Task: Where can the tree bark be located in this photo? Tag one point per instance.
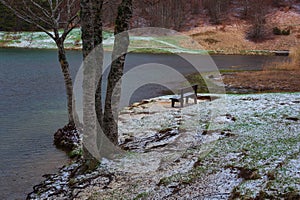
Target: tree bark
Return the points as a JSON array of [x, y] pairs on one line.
[[67, 78], [91, 27], [87, 31], [110, 123], [99, 60]]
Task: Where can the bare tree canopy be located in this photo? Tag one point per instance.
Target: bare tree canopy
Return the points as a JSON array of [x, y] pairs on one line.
[[47, 14]]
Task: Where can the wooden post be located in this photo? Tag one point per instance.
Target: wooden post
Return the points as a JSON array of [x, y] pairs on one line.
[[195, 87], [181, 98]]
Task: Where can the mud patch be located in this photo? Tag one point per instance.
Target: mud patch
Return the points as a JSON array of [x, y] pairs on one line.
[[158, 140], [245, 173], [207, 98], [226, 132], [295, 119]]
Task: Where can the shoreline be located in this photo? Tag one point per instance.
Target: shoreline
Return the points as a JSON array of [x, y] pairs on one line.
[[208, 52], [151, 45], [102, 182]]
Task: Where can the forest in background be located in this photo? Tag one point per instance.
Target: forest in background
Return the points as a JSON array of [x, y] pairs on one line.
[[174, 14]]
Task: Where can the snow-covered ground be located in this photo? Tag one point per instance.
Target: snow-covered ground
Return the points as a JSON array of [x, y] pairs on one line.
[[234, 146], [171, 44], [37, 40]]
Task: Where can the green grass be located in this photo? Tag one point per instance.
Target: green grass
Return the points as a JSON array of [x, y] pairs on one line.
[[141, 195], [146, 43], [149, 50], [175, 40]]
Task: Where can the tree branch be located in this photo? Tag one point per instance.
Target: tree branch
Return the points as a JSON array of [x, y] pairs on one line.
[[27, 18]]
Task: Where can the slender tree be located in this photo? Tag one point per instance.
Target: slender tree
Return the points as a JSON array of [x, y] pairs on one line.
[[119, 53], [50, 16]]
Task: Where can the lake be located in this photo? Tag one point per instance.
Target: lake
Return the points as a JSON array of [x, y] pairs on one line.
[[33, 107]]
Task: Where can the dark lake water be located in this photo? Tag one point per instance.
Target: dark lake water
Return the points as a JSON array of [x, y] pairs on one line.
[[33, 107]]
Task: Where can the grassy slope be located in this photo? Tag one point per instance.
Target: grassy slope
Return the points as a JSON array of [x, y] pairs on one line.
[[231, 39]]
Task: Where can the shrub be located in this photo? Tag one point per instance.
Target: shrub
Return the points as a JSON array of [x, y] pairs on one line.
[[286, 32], [256, 32], [211, 41], [276, 31]]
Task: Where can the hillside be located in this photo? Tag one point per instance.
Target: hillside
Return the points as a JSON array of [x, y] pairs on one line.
[[231, 37]]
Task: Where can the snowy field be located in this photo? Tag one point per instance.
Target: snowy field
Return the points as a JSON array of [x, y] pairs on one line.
[[233, 147]]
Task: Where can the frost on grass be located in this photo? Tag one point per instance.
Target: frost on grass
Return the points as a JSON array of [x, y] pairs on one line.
[[41, 40], [248, 150], [267, 144], [170, 44]]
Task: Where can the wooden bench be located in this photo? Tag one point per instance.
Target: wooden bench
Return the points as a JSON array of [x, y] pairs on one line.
[[187, 92]]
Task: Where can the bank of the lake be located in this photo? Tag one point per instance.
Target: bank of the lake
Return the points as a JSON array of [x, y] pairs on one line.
[[213, 149], [177, 43]]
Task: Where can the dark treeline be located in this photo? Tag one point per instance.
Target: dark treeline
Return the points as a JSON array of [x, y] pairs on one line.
[[9, 22], [174, 14]]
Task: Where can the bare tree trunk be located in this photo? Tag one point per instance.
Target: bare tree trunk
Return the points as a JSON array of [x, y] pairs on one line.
[[110, 124], [91, 25], [67, 77], [87, 30], [99, 60]]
